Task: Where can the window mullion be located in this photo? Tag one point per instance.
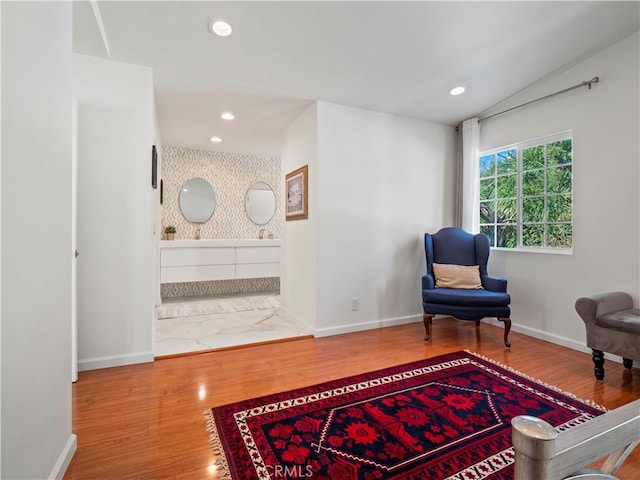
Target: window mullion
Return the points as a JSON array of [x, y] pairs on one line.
[[520, 212]]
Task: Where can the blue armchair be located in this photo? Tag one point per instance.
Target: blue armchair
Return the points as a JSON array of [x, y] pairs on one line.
[[454, 246]]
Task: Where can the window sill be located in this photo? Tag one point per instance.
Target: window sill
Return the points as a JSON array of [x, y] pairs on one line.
[[552, 251]]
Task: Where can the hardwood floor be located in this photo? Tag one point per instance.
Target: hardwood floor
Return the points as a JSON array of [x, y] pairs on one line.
[[146, 421]]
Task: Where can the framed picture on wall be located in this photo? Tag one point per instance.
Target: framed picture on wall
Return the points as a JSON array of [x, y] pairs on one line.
[[297, 189]]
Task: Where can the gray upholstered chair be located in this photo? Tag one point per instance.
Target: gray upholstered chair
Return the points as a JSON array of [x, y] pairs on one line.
[[613, 326]]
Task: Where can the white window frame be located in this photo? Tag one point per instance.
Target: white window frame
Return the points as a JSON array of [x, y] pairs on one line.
[[520, 146]]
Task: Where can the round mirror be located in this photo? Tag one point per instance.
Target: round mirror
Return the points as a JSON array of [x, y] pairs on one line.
[[260, 203], [197, 200]]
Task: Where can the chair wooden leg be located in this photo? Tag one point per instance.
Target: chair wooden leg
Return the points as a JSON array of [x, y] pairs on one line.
[[477, 323], [627, 362], [507, 329], [427, 320], [598, 362]]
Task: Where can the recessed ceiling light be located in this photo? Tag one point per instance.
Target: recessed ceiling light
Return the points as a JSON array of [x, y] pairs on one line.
[[459, 90], [216, 139], [227, 116], [221, 28]]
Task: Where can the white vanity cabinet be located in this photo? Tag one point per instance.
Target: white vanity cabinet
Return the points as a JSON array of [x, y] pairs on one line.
[[205, 260], [257, 262]]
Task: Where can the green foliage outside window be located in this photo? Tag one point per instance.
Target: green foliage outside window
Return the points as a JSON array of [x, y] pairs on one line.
[[526, 195]]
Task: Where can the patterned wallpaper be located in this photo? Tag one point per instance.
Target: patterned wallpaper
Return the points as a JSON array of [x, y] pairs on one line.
[[221, 287], [231, 175]]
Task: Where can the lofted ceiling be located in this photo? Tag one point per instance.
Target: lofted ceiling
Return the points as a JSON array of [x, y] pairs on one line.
[[393, 57]]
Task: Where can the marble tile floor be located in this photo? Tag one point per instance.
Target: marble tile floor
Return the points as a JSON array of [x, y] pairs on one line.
[[186, 325]]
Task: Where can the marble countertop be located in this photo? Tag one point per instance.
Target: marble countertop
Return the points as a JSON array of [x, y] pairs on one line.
[[242, 242]]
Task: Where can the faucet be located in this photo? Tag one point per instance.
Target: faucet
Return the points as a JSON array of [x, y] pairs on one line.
[[197, 236], [261, 234]]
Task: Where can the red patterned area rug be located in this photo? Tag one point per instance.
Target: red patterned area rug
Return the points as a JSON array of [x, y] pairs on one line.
[[446, 417]]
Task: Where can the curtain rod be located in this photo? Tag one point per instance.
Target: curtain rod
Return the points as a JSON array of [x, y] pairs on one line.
[[582, 84]]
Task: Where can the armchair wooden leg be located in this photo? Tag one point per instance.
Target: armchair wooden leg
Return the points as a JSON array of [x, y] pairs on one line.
[[427, 320], [507, 329], [598, 362]]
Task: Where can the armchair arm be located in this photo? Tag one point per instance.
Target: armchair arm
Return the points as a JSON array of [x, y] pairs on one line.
[[428, 282], [591, 307], [494, 284]]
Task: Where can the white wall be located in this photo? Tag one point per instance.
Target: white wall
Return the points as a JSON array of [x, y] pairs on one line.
[[605, 257], [382, 182], [0, 245], [116, 212], [298, 262], [36, 243], [377, 183]]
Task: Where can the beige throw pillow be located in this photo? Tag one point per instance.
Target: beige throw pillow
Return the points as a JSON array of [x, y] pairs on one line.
[[457, 276]]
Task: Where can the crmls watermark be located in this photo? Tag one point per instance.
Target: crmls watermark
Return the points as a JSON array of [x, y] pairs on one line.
[[290, 471]]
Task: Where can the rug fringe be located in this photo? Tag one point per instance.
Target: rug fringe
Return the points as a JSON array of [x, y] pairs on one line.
[[221, 463], [588, 402]]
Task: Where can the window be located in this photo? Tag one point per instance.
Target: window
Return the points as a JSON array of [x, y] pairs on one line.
[[526, 194]]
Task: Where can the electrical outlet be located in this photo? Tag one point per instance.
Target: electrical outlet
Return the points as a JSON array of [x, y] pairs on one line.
[[355, 303]]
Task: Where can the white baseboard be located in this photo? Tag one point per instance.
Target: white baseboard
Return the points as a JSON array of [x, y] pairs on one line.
[[289, 314], [357, 327], [65, 458], [516, 327], [551, 338], [114, 361], [351, 327]]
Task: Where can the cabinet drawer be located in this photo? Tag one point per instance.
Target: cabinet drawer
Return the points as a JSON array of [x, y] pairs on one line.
[[257, 254], [257, 270], [197, 256], [199, 273]]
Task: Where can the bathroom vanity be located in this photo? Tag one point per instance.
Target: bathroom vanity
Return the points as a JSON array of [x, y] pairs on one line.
[[206, 260]]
